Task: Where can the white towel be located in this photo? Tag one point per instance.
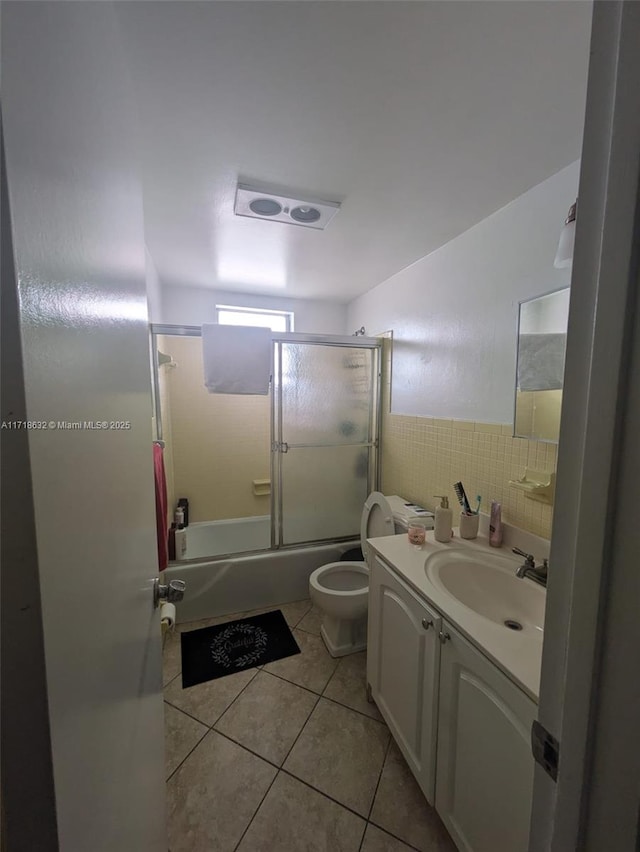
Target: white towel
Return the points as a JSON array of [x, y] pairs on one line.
[[237, 359]]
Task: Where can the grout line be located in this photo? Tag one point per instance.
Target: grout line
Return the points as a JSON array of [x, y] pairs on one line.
[[170, 776], [310, 632], [395, 836], [301, 729], [323, 793], [171, 680], [292, 682], [375, 792], [354, 710], [256, 811], [248, 683], [202, 722], [186, 713], [246, 748]]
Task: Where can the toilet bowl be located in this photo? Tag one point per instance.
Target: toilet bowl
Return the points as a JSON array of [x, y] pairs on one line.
[[340, 590]]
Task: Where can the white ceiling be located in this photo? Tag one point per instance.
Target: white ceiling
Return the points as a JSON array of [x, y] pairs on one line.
[[421, 117]]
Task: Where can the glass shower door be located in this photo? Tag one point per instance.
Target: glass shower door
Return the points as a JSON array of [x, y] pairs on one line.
[[325, 442]]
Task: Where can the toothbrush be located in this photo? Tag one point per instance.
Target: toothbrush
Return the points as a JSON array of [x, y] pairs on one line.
[[479, 499], [462, 497]]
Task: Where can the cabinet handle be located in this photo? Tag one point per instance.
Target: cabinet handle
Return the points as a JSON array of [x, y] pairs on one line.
[[426, 623], [443, 637]]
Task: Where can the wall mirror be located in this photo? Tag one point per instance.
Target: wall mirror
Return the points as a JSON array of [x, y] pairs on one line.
[[542, 340]]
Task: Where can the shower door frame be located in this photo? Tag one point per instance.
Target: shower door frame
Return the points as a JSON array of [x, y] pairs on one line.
[[156, 329], [342, 341], [373, 444]]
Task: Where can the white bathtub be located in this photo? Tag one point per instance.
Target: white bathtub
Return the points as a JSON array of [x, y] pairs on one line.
[[206, 539], [224, 586]]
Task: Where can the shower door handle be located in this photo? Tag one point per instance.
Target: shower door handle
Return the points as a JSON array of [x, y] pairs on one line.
[[280, 448]]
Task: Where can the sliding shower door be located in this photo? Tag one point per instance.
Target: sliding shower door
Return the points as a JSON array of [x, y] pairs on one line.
[[325, 419]]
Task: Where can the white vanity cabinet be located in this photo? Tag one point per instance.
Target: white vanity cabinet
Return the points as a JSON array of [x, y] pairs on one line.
[[402, 669], [485, 766], [461, 723]]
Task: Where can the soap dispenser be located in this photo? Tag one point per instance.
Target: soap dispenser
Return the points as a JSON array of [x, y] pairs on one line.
[[444, 520]]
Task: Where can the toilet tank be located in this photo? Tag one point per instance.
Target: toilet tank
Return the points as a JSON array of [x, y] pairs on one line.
[[405, 511]]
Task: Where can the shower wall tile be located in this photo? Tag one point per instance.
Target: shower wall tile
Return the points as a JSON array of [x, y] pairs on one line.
[[218, 444]]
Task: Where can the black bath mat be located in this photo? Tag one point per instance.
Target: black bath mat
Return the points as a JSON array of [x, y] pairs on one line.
[[224, 649]]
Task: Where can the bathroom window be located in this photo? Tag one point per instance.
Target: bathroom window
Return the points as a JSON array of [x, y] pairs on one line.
[[275, 320]]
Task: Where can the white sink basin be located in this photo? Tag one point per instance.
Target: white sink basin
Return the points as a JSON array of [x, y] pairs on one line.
[[487, 584]]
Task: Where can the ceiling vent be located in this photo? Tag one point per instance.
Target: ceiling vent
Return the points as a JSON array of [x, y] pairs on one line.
[[258, 204]]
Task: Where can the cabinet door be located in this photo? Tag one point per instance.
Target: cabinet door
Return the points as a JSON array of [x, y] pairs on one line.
[[402, 669], [485, 766]]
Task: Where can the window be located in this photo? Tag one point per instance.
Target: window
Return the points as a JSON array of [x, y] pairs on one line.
[[275, 320]]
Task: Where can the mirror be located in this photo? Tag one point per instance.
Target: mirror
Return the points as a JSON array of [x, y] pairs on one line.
[[542, 341]]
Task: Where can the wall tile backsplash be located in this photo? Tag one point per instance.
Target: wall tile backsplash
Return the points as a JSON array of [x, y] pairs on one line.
[[423, 456]]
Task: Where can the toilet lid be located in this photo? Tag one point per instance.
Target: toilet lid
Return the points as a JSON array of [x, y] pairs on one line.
[[377, 519]]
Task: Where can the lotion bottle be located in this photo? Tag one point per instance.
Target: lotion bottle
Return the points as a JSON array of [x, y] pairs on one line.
[[444, 520], [495, 524]]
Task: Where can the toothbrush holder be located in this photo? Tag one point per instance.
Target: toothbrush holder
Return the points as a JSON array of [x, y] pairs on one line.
[[469, 525]]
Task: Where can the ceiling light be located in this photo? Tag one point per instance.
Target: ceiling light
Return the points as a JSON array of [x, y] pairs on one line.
[[258, 204], [564, 255]]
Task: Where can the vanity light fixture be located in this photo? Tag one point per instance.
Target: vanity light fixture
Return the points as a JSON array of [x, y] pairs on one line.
[[564, 255], [258, 204]]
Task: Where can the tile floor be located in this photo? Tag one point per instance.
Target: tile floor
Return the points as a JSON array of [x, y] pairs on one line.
[[288, 757]]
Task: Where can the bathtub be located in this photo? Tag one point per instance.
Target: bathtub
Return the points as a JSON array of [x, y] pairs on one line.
[[206, 539], [234, 584]]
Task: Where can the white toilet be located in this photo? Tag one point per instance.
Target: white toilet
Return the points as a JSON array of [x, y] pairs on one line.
[[340, 590]]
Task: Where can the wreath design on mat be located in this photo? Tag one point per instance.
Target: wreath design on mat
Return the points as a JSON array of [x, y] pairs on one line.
[[245, 635]]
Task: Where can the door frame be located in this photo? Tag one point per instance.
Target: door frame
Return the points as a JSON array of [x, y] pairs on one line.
[[590, 549]]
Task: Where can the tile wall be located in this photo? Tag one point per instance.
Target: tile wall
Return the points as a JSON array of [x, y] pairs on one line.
[[423, 456]]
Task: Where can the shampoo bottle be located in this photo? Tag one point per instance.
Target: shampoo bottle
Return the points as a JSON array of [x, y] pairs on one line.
[[181, 542], [178, 516], [495, 524], [444, 519], [185, 510]]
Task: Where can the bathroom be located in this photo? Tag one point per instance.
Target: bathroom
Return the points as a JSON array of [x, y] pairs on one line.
[[448, 327], [440, 300]]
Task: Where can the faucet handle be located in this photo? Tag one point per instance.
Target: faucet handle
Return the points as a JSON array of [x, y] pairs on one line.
[[529, 558]]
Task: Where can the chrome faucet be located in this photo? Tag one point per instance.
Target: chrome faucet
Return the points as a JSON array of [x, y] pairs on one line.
[[529, 569]]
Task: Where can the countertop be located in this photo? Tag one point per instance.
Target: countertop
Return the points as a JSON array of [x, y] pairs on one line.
[[517, 654]]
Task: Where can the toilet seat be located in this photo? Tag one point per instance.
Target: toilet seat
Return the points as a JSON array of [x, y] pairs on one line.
[[347, 578], [376, 520], [340, 590]]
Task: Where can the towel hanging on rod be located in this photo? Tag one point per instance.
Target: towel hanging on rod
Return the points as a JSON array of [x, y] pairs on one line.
[[236, 358]]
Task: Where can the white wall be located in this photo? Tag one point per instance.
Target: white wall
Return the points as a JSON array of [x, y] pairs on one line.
[[195, 305], [454, 312]]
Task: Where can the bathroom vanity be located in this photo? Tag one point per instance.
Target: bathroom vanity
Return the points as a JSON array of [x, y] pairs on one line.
[[456, 685]]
